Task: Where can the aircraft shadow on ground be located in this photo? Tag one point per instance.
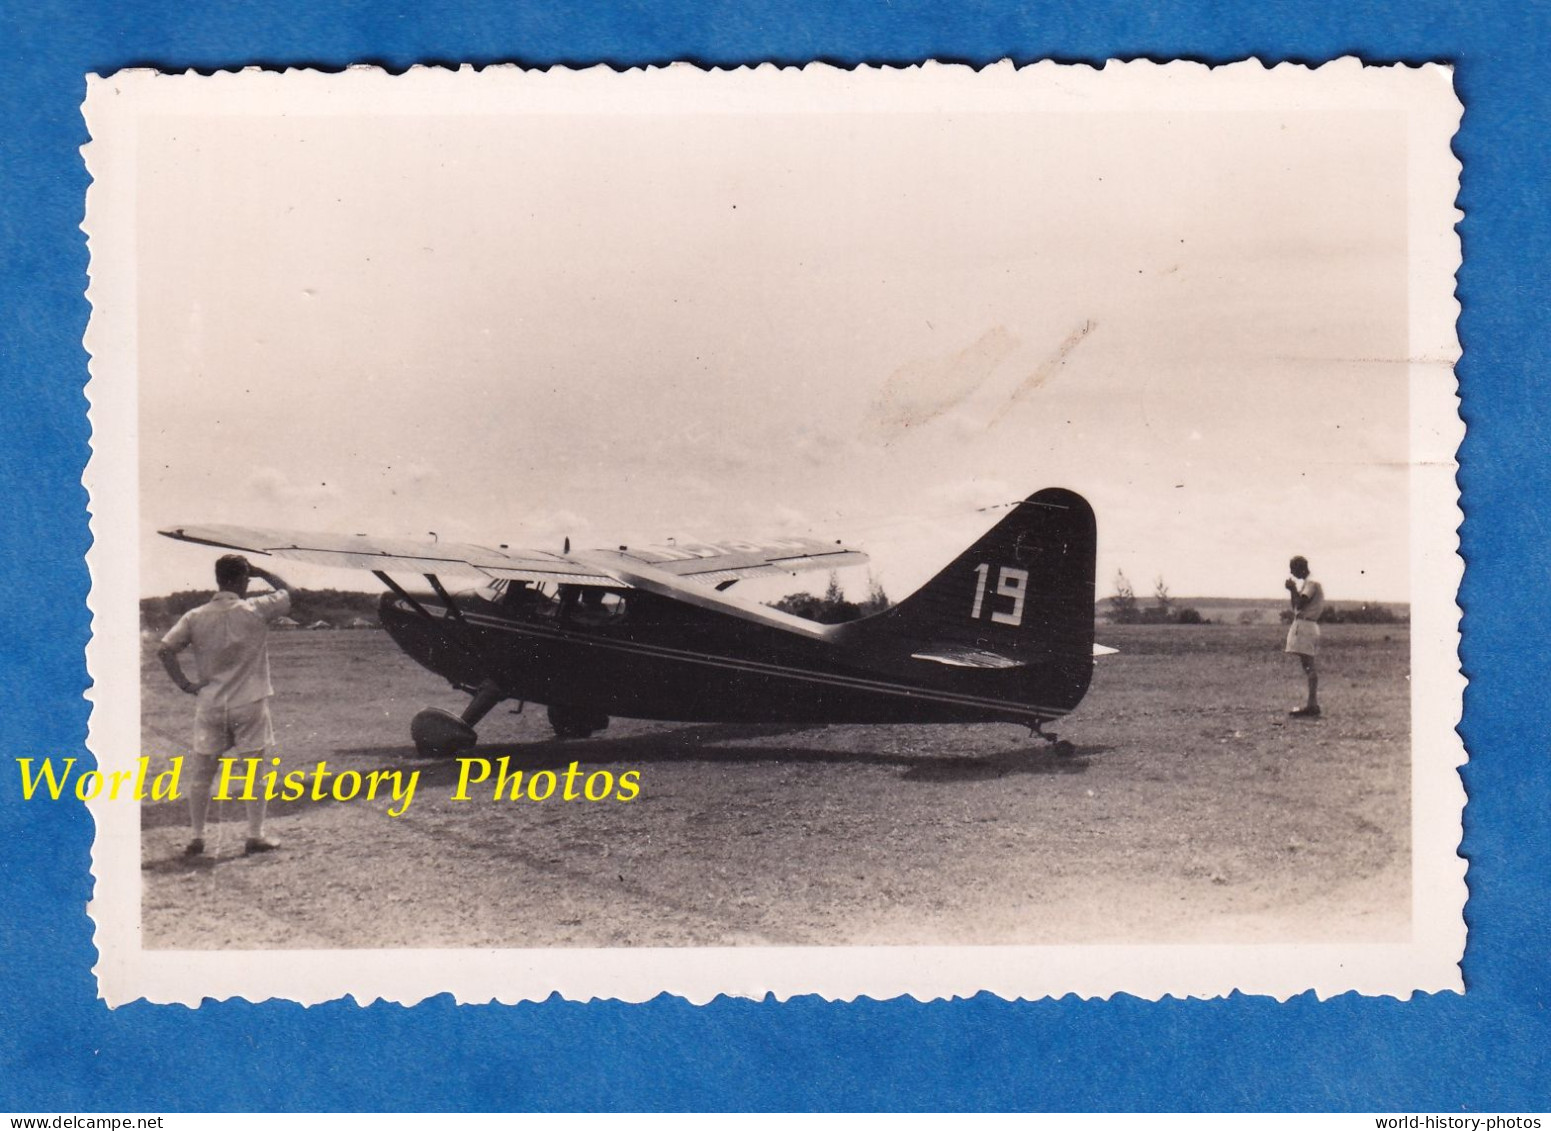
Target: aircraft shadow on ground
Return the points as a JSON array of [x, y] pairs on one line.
[[709, 743], [705, 743]]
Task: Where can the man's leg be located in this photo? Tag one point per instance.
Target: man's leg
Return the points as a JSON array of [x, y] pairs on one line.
[[1312, 672], [256, 810], [199, 800], [211, 739], [256, 736]]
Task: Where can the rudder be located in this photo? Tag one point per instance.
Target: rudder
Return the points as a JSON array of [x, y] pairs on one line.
[[1025, 589]]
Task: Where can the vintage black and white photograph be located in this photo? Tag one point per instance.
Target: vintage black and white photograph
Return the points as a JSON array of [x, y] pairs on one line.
[[774, 531]]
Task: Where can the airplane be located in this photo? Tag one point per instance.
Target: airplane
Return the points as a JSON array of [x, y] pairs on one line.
[[1003, 634]]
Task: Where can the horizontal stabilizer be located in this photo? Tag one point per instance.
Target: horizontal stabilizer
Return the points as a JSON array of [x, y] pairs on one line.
[[968, 658], [1102, 650]]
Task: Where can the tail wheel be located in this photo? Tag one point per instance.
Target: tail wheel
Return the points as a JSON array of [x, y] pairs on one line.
[[441, 734], [576, 722]]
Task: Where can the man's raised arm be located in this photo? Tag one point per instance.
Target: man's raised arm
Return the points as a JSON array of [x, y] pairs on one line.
[[275, 581], [279, 602]]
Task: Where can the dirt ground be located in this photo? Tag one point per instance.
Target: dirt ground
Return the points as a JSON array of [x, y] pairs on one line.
[[1192, 810]]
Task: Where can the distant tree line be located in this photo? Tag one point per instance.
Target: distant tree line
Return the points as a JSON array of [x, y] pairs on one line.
[[1369, 612], [1126, 608], [336, 606], [832, 607]]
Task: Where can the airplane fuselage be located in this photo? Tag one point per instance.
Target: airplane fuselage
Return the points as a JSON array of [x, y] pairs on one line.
[[650, 657]]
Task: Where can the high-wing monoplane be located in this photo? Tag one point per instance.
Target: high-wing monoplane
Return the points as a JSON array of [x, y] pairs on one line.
[[1004, 633]]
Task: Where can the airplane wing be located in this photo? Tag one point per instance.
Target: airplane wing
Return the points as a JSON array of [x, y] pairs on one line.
[[664, 567], [638, 574], [712, 563], [361, 551]]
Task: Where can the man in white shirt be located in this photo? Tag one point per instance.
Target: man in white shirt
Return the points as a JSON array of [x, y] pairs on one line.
[[229, 635], [1308, 603]]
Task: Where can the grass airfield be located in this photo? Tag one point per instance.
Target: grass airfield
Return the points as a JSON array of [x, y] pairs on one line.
[[1191, 810]]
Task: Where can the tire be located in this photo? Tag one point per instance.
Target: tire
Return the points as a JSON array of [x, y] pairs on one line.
[[576, 722], [441, 734]]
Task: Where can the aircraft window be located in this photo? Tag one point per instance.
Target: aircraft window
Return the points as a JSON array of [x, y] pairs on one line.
[[494, 591], [545, 598], [598, 607], [520, 594]]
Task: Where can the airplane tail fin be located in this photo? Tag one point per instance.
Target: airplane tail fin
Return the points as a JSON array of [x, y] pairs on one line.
[[1023, 593]]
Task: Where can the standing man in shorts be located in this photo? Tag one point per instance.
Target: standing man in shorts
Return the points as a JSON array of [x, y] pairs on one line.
[[230, 636], [1308, 602]]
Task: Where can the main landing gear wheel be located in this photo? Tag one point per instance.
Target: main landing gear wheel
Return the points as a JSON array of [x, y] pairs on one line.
[[576, 722], [441, 734]]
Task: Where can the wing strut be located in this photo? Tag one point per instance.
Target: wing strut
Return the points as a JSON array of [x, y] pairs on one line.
[[403, 594], [451, 605], [469, 647], [436, 623], [439, 733]]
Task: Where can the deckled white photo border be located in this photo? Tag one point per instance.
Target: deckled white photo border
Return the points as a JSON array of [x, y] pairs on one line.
[[115, 107]]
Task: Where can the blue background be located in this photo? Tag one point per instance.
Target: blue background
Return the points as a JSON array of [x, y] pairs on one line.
[[62, 1050]]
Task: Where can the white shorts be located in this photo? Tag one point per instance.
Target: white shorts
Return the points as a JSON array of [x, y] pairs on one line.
[[245, 729], [1303, 638]]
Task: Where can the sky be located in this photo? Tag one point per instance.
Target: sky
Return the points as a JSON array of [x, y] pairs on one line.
[[528, 327]]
